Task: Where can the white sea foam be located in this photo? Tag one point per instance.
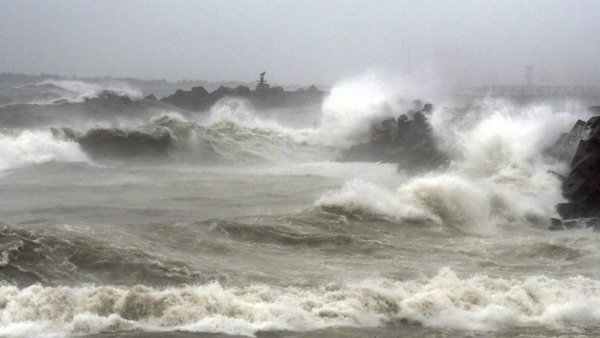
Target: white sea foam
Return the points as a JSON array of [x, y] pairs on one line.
[[498, 175], [240, 112], [352, 106], [35, 147], [347, 112], [77, 91], [445, 301]]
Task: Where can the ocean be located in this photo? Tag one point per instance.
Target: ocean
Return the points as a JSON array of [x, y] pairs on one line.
[[127, 217]]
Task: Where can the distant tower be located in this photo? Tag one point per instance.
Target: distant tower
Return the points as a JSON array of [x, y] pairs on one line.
[[262, 83], [529, 75]]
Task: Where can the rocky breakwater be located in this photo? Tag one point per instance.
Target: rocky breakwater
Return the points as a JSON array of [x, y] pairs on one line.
[[101, 108], [407, 140], [263, 97], [581, 187]]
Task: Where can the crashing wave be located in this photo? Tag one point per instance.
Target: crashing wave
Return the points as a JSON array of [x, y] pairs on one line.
[[499, 174], [79, 91], [188, 142], [35, 147], [445, 301]]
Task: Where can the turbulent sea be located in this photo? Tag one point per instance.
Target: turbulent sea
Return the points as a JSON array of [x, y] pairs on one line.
[[131, 218]]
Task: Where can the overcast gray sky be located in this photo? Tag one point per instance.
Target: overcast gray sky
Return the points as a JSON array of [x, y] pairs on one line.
[[303, 42]]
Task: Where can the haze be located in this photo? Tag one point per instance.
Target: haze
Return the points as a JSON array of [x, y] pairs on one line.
[[305, 42]]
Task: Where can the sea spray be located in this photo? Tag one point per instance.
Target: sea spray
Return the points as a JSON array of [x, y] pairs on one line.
[[498, 176], [36, 147], [478, 302]]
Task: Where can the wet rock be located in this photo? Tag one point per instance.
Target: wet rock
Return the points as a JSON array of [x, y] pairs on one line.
[[556, 224], [565, 146], [241, 90], [199, 91], [263, 97], [571, 210], [408, 142], [579, 223], [581, 187]]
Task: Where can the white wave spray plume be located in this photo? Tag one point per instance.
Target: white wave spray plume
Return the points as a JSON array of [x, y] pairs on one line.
[[353, 105], [36, 147], [498, 176]]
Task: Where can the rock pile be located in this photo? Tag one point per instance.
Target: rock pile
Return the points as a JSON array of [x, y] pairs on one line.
[[263, 97], [581, 187], [406, 140]]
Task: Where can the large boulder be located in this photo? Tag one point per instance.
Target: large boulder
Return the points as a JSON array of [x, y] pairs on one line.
[[407, 142], [581, 187]]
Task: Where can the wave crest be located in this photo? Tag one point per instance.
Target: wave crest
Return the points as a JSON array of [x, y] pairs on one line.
[[35, 147], [444, 301], [499, 175], [170, 138]]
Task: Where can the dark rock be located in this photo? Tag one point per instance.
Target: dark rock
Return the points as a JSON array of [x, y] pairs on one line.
[[276, 90], [241, 90], [199, 91], [221, 92], [150, 97], [313, 89], [571, 210], [592, 223], [409, 143], [263, 97], [581, 187]]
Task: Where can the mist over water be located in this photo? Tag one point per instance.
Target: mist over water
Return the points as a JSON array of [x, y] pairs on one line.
[[130, 215]]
